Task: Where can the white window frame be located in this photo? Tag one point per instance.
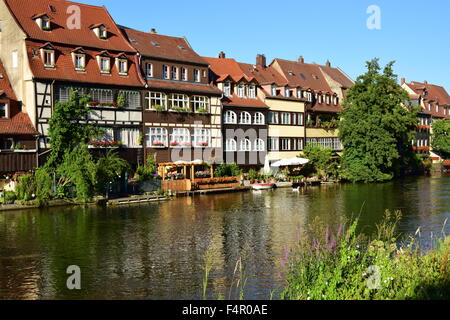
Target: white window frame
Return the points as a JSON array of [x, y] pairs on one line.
[[245, 145], [6, 110], [327, 99], [241, 91], [230, 117], [184, 74], [309, 96], [259, 118], [165, 72], [286, 116], [230, 145], [102, 32], [180, 135], [157, 134], [149, 70], [260, 145], [274, 143], [227, 89], [287, 146], [103, 95], [123, 66], [336, 100], [132, 98], [105, 68], [154, 97], [175, 73], [177, 100], [252, 91], [202, 135], [51, 55], [275, 116], [197, 75], [245, 118], [80, 61], [200, 102]]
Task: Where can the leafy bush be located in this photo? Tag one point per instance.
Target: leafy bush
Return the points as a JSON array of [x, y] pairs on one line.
[[44, 185], [26, 189], [9, 196], [109, 167], [253, 174], [228, 170], [341, 265]]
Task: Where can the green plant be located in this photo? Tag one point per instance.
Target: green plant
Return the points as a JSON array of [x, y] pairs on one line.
[[109, 168], [26, 189], [159, 108], [377, 127], [253, 174], [440, 140], [121, 100], [9, 196], [202, 110], [228, 170]]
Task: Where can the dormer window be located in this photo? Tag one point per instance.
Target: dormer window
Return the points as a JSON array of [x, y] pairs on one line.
[[241, 91], [45, 23], [80, 62], [319, 98], [174, 73], [327, 99], [252, 91], [274, 90], [100, 31], [437, 108], [165, 72], [299, 93], [227, 89], [336, 101], [196, 75], [309, 96], [48, 55], [184, 74], [104, 62], [103, 34], [123, 67], [149, 70], [3, 110]]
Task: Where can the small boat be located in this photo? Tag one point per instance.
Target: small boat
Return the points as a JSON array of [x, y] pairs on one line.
[[264, 186], [281, 184]]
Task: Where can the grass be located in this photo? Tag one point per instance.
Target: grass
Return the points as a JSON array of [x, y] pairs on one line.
[[339, 264]]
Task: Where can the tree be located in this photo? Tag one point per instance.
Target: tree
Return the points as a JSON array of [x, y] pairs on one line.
[[80, 171], [377, 126], [440, 141], [109, 167], [65, 132], [320, 160]]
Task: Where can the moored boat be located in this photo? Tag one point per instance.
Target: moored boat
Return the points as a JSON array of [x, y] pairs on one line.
[[264, 186]]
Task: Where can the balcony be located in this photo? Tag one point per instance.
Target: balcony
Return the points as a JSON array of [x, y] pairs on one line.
[[18, 160]]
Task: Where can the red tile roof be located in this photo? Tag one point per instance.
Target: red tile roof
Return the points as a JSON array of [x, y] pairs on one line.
[[5, 86], [25, 10], [434, 94], [65, 69], [161, 46], [263, 75], [231, 69], [184, 86], [19, 124], [235, 101], [227, 68], [338, 75], [306, 76]]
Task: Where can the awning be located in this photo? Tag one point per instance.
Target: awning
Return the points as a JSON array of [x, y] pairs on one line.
[[290, 162]]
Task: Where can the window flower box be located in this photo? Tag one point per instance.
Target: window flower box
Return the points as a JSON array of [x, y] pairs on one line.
[[446, 163], [203, 144], [105, 144], [158, 145], [202, 111], [181, 110]]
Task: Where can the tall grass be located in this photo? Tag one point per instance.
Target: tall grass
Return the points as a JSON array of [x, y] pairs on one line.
[[339, 264]]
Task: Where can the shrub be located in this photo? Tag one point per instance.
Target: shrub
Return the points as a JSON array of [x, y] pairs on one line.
[[9, 196], [341, 265], [44, 185], [228, 170], [26, 188]]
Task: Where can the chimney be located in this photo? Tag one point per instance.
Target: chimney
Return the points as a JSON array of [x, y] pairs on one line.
[[153, 31], [328, 64], [222, 55], [261, 60], [301, 60], [402, 81]]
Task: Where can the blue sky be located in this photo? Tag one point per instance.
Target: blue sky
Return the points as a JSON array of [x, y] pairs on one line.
[[414, 33]]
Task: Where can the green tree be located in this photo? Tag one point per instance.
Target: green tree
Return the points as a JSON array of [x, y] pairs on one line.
[[109, 167], [80, 171], [320, 160], [377, 127], [440, 141], [65, 131], [228, 170]]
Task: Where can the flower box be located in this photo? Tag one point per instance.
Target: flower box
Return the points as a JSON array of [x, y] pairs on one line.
[[203, 144], [158, 145], [105, 144], [446, 163]]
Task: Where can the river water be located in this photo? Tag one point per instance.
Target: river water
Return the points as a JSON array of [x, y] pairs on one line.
[[157, 251]]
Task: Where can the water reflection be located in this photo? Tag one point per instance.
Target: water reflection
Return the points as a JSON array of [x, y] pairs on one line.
[[157, 251]]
